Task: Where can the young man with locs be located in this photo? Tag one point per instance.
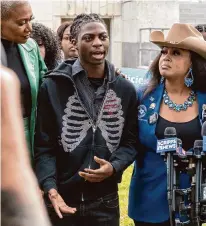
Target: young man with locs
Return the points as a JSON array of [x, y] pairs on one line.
[[86, 131]]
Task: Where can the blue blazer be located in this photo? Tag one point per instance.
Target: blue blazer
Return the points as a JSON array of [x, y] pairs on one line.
[[148, 188]]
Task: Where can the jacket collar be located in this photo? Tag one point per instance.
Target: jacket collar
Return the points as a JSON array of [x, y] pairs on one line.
[[156, 97], [71, 68], [77, 67], [109, 68]]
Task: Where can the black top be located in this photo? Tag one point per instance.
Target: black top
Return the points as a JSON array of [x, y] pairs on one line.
[[188, 132], [15, 63], [91, 90], [96, 82], [99, 89]]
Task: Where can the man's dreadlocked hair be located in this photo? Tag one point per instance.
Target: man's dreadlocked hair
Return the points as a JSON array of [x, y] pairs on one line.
[[8, 6], [81, 20], [41, 33]]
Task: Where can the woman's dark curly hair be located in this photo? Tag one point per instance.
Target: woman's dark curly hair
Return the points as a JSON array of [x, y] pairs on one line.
[[44, 35], [83, 19], [198, 69]]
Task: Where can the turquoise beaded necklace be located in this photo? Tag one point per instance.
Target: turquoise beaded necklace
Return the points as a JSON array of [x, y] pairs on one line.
[[179, 107]]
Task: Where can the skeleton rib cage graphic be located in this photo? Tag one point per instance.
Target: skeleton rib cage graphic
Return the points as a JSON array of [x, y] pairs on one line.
[[76, 122]]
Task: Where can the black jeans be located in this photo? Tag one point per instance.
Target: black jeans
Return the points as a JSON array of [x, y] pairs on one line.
[[166, 223], [101, 212]]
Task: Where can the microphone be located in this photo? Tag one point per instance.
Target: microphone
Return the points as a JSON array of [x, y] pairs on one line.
[[203, 187], [169, 144], [204, 136], [170, 132], [197, 148]]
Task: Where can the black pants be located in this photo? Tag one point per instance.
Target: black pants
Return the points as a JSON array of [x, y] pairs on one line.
[[165, 223], [101, 212]]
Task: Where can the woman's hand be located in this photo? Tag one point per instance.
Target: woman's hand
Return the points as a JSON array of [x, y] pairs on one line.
[[119, 73], [58, 203]]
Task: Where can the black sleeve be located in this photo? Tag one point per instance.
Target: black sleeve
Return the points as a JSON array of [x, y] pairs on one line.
[[127, 151], [45, 142]]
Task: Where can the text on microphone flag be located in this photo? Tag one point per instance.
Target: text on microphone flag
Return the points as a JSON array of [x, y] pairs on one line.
[[167, 145]]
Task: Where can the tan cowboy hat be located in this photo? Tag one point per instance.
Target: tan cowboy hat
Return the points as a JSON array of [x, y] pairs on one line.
[[183, 36]]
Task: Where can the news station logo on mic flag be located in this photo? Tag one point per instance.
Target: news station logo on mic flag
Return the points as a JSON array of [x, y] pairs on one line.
[[167, 145]]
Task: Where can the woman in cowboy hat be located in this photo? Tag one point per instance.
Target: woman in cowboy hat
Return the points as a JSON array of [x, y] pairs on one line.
[[175, 97]]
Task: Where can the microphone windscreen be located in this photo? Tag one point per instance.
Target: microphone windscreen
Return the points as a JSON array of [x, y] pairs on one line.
[[198, 144], [170, 132]]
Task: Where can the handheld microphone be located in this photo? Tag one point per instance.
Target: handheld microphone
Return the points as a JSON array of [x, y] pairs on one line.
[[204, 136], [197, 148], [169, 144], [170, 132], [203, 186]]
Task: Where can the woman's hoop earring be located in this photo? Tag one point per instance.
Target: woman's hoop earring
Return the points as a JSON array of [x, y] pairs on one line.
[[189, 81]]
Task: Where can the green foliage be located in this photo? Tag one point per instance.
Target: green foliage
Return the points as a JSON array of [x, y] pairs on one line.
[[123, 198]]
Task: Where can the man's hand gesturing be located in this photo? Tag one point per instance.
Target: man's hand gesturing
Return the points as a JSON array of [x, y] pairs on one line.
[[58, 203], [106, 170]]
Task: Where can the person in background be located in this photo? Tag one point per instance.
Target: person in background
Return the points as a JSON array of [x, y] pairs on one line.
[[48, 44], [86, 131], [20, 200], [175, 97], [23, 58], [69, 50], [202, 29]]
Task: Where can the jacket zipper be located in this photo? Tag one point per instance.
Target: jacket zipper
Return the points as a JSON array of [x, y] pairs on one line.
[[93, 143], [94, 127]]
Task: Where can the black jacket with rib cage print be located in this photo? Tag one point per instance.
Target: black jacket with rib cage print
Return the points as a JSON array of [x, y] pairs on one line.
[[67, 138]]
